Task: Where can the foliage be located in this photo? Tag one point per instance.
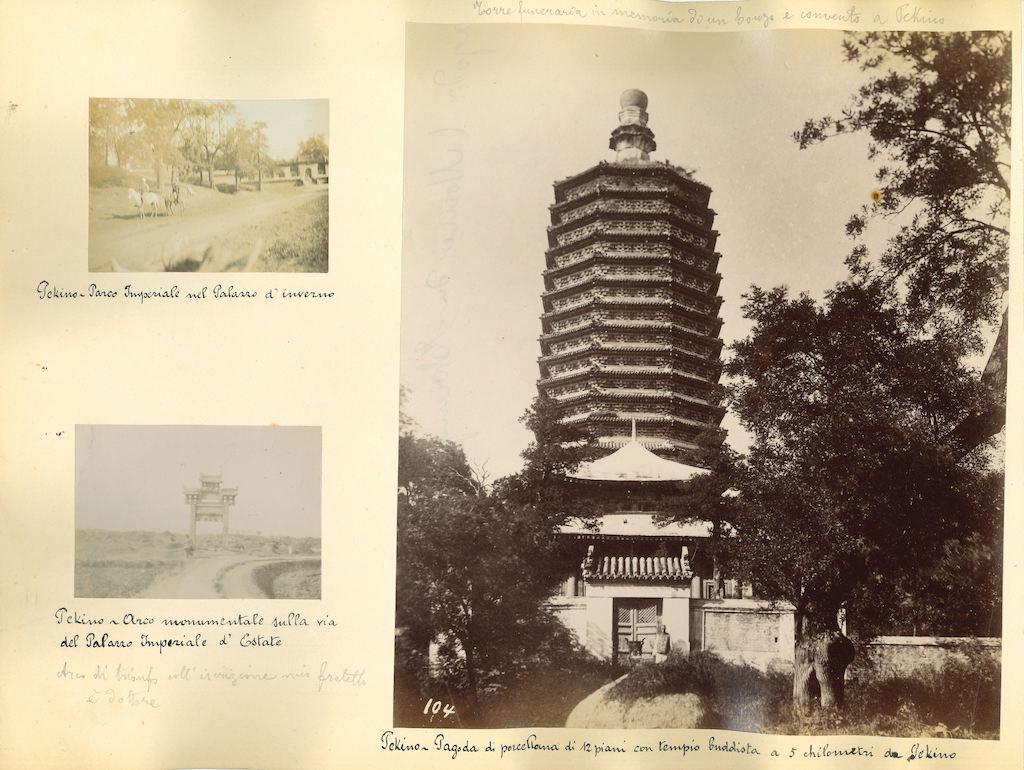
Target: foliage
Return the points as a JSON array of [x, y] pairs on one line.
[[476, 564], [848, 490], [180, 134], [937, 108], [314, 148], [740, 696], [959, 699], [539, 692], [556, 451], [473, 568]]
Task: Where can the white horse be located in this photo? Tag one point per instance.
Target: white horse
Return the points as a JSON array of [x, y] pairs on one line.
[[136, 199], [153, 201]]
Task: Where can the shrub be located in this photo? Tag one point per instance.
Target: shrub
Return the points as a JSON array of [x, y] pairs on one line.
[[742, 697], [111, 176]]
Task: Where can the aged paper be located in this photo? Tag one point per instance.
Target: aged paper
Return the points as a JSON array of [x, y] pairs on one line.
[[291, 682]]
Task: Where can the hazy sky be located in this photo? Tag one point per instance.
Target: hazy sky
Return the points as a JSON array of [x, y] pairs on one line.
[[289, 121], [134, 477], [495, 114]]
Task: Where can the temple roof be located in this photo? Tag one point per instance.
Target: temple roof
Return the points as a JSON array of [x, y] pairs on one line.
[[634, 462], [630, 524], [651, 568]]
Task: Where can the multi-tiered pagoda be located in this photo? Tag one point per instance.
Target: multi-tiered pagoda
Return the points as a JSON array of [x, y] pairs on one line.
[[631, 351], [630, 323]]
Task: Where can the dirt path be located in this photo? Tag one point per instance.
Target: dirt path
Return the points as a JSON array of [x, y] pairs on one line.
[[143, 245], [199, 579]]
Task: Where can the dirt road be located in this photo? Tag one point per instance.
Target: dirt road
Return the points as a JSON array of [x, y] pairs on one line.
[[116, 232], [200, 577]]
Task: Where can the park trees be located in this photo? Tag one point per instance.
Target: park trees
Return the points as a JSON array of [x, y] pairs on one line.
[[157, 125], [476, 561], [937, 109], [861, 486], [206, 135], [314, 148], [848, 490]]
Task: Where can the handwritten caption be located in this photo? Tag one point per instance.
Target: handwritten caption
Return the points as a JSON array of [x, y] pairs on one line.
[[734, 17], [459, 747], [107, 680], [141, 294]]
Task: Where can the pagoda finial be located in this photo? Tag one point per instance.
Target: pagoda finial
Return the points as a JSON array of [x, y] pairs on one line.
[[632, 140]]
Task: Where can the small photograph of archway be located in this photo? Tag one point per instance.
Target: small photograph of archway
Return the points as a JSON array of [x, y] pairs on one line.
[[197, 512]]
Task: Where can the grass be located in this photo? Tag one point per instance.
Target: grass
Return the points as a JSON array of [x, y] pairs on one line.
[[122, 564], [958, 700], [111, 564], [289, 579], [119, 579], [740, 697], [293, 240], [298, 242]]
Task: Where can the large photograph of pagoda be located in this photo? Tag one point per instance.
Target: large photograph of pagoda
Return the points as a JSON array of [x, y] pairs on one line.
[[197, 512], [704, 353]]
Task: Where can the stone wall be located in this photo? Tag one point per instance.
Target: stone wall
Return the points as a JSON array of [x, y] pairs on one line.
[[902, 655], [743, 631]]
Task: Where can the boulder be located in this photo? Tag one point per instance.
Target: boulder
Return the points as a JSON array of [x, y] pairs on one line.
[[679, 710]]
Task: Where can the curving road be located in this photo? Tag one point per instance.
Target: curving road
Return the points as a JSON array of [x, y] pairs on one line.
[[142, 245], [199, 579]]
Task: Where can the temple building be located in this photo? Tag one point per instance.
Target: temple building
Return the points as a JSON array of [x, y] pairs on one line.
[[630, 351]]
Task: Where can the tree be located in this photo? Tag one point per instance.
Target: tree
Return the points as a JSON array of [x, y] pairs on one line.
[[314, 148], [261, 149], [709, 497], [239, 152], [848, 490], [108, 130], [157, 125], [206, 134], [476, 564], [937, 107]]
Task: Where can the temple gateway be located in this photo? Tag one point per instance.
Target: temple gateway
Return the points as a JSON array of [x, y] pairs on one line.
[[631, 351]]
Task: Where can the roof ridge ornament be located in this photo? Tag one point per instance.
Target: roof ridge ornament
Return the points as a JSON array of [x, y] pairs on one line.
[[632, 140]]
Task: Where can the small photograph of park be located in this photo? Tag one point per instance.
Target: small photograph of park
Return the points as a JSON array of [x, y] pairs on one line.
[[185, 185], [706, 427]]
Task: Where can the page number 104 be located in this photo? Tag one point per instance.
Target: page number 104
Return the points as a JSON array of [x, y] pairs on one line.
[[435, 707]]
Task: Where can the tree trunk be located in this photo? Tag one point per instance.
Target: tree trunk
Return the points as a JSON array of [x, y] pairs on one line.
[[716, 565], [209, 173], [472, 699], [981, 425], [822, 654]]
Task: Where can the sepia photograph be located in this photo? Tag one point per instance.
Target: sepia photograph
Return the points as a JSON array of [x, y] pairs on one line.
[[185, 185], [197, 512], [703, 380]]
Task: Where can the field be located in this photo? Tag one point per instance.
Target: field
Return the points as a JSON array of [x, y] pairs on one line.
[[112, 564], [281, 229]]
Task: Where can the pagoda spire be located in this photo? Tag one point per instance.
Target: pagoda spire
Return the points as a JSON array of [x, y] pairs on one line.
[[632, 140]]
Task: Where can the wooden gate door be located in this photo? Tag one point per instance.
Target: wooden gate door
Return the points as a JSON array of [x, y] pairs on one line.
[[636, 624]]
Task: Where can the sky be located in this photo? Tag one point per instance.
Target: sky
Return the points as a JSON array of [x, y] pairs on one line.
[[496, 113], [134, 477], [289, 121]]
